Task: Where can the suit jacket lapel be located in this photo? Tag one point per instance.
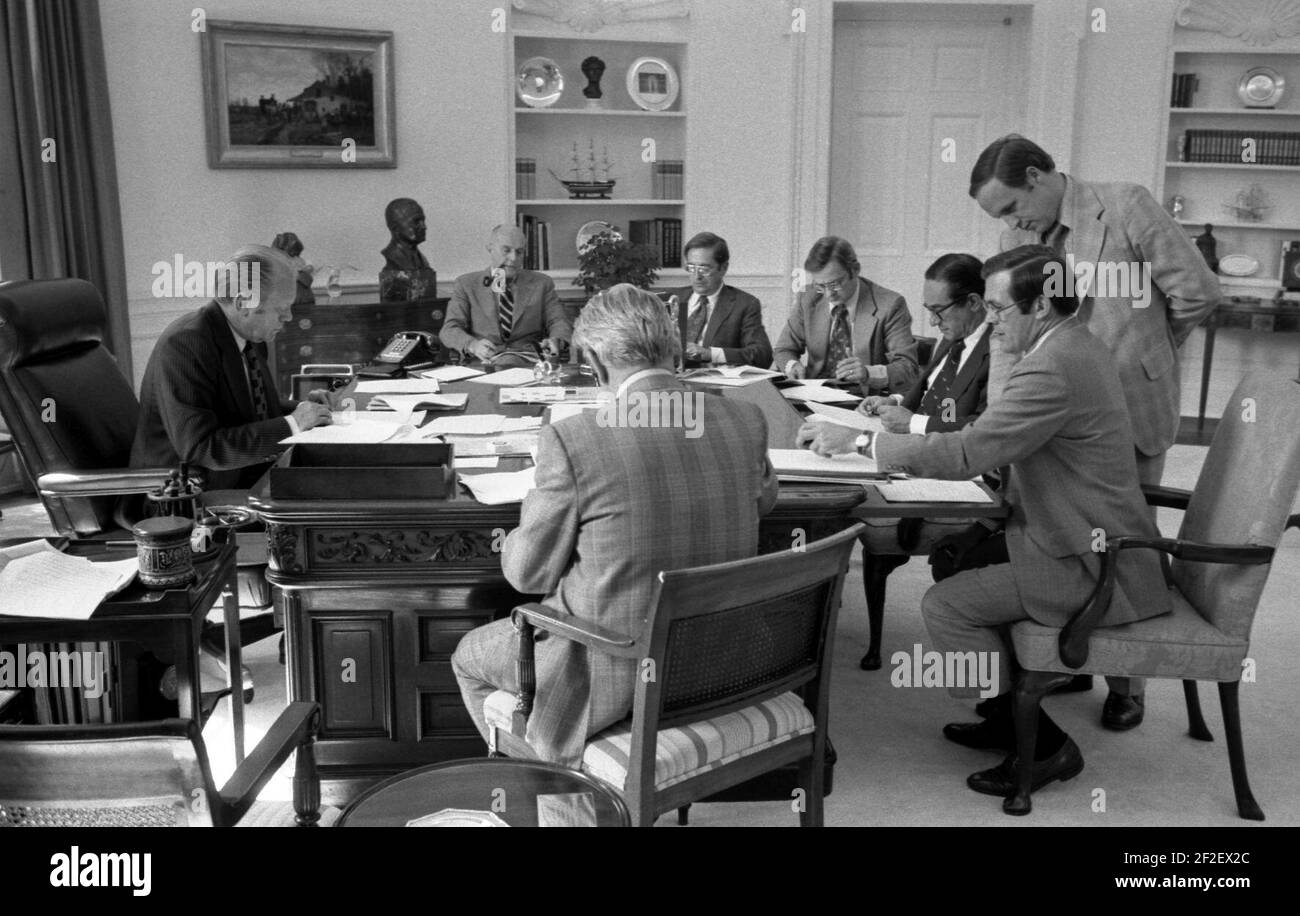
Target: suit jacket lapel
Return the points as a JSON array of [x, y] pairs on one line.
[[232, 361], [1082, 210], [818, 329], [720, 310], [970, 369], [864, 323]]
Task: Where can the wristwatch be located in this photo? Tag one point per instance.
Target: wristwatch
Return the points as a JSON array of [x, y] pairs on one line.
[[863, 444]]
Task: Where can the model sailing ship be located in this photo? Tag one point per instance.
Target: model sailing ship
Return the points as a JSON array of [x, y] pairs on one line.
[[589, 187]]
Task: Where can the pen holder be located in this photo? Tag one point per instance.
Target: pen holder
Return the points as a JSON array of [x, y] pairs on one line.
[[162, 547]]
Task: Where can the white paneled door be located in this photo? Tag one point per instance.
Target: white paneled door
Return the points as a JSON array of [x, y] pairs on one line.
[[917, 95]]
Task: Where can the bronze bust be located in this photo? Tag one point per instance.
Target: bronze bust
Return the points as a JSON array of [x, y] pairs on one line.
[[406, 274]]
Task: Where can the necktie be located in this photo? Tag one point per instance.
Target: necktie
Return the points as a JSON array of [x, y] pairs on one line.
[[841, 341], [256, 384], [699, 318], [935, 395], [506, 313], [1055, 238]]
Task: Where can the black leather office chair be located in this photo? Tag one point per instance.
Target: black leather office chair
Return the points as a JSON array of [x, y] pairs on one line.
[[71, 411]]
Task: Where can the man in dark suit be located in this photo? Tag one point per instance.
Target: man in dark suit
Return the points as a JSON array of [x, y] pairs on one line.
[[1062, 426], [504, 307], [602, 523], [208, 398], [949, 393], [723, 324], [1143, 288], [852, 329]]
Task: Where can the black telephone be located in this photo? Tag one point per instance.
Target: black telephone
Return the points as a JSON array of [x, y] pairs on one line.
[[407, 350]]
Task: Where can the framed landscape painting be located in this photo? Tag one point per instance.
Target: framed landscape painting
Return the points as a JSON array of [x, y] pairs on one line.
[[285, 96]]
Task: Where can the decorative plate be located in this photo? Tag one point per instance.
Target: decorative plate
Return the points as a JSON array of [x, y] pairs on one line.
[[590, 230], [1238, 265], [539, 82], [1261, 87], [652, 83]]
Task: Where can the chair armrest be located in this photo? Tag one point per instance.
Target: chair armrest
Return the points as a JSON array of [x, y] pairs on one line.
[[1166, 497], [296, 727], [575, 628], [110, 482], [1073, 641]]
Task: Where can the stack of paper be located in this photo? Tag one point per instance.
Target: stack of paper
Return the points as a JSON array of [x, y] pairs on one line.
[[406, 404], [497, 489], [38, 581], [450, 373], [926, 490], [507, 377], [399, 386], [850, 418], [798, 462], [819, 393], [729, 375], [354, 432]]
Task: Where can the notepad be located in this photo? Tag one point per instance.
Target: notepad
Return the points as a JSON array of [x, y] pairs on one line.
[[450, 373], [850, 418], [820, 394], [499, 489], [801, 461], [513, 377], [38, 581], [928, 490]]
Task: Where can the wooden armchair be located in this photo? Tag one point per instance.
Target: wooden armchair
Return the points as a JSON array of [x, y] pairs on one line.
[[739, 655], [1233, 522], [151, 774]]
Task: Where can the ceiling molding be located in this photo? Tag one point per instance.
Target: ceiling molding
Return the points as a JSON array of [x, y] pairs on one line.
[[1256, 22], [594, 15]]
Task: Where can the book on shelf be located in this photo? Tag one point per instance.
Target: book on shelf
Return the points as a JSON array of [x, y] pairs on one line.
[[525, 178], [1185, 86], [1227, 147], [663, 234], [666, 179], [537, 242]]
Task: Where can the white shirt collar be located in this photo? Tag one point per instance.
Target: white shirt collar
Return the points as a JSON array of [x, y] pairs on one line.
[[636, 377], [713, 297]]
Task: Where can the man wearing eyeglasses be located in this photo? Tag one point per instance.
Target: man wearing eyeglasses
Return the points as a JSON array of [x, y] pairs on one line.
[[723, 324], [852, 329]]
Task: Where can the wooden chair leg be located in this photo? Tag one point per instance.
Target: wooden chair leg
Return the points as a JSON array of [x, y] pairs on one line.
[[812, 777], [1247, 807], [1031, 686], [1196, 726], [875, 574], [306, 781], [683, 815]]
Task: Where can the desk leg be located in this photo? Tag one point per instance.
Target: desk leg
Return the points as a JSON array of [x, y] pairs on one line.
[[234, 677], [185, 651], [1206, 360]]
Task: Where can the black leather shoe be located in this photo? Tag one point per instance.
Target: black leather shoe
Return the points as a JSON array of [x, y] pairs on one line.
[[870, 662], [1065, 764], [1120, 712], [1081, 683], [991, 734]]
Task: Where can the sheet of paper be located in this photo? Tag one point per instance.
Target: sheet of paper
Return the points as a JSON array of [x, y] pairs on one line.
[[391, 417], [360, 430], [475, 424], [41, 582], [399, 386], [500, 488], [512, 377], [820, 394], [450, 373], [927, 490], [405, 404], [508, 444], [724, 381], [850, 418], [483, 461], [802, 461], [564, 411], [519, 424]]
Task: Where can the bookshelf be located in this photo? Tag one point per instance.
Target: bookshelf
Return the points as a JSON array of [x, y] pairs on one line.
[[1215, 115], [636, 143]]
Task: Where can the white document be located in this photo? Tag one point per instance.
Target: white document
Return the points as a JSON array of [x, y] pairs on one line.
[[571, 409], [928, 490], [406, 404], [820, 394], [391, 417], [850, 418], [500, 488], [484, 461], [513, 377], [732, 376], [399, 386], [479, 424], [801, 461], [38, 581], [359, 430], [450, 373], [520, 424]]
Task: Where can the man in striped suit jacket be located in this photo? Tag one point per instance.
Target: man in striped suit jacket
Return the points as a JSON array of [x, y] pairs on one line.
[[622, 493]]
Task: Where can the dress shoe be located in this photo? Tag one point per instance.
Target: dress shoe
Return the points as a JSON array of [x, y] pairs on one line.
[[870, 662], [1065, 764], [1120, 712], [1081, 683], [997, 734]]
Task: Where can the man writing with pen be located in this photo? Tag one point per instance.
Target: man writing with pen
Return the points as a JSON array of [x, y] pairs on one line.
[[505, 310]]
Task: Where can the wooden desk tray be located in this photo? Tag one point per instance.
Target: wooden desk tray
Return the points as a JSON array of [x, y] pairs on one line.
[[370, 471]]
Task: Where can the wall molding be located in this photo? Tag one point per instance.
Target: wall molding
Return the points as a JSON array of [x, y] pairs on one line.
[[594, 15], [1256, 22]]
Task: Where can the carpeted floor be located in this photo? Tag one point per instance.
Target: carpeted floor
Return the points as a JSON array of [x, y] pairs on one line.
[[895, 768]]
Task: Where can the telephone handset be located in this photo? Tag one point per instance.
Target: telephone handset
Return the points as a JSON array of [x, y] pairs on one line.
[[407, 350]]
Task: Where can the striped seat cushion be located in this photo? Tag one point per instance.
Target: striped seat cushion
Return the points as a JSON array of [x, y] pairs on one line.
[[685, 752]]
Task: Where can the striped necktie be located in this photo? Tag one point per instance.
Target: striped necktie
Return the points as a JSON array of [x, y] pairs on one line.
[[932, 403], [256, 384], [506, 313], [698, 319]]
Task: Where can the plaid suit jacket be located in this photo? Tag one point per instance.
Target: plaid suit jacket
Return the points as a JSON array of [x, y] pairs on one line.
[[1119, 223], [612, 508], [196, 406], [1062, 425]]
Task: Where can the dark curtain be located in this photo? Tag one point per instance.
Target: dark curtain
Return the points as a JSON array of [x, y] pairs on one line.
[[60, 218]]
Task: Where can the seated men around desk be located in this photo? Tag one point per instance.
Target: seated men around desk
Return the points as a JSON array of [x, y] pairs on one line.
[[208, 398], [950, 392], [505, 308], [1062, 425], [851, 329], [723, 324], [621, 494]]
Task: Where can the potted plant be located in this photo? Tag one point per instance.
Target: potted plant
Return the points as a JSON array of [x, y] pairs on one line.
[[608, 259]]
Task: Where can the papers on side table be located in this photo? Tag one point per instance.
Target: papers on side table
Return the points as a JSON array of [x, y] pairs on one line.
[[498, 489], [38, 581], [926, 490]]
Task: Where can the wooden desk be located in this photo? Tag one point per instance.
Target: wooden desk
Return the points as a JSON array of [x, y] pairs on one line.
[[171, 619], [377, 594], [1248, 313]]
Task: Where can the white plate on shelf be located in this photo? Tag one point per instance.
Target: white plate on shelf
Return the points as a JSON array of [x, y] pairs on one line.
[[589, 231], [652, 83], [1238, 265]]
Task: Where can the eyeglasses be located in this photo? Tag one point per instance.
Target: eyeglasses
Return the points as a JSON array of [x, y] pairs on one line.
[[996, 309], [938, 310], [834, 286], [701, 270]]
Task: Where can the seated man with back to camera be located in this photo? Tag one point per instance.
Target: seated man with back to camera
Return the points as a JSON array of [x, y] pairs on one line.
[[613, 506], [950, 392], [724, 325], [505, 310], [1062, 425], [852, 329]]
